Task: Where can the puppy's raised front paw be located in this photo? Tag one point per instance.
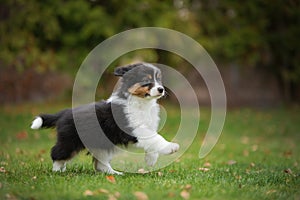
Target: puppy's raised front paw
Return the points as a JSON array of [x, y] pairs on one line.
[[170, 148]]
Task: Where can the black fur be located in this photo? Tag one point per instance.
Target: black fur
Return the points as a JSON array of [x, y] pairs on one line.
[[111, 119]]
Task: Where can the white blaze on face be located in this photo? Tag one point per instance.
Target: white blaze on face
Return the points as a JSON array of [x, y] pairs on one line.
[[157, 89]]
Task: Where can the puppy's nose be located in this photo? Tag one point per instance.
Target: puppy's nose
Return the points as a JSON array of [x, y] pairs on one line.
[[160, 89]]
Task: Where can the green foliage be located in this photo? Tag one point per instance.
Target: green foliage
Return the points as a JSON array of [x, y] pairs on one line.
[[57, 35]]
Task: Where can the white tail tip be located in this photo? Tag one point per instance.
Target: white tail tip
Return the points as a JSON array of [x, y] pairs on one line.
[[37, 123]]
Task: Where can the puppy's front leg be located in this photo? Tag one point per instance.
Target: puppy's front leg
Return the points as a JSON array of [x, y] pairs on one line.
[[151, 158], [153, 144]]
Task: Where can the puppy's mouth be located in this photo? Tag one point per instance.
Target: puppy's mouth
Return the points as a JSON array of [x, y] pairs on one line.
[[155, 96], [146, 91]]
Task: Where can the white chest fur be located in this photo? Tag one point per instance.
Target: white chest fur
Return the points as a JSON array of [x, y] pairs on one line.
[[142, 113]]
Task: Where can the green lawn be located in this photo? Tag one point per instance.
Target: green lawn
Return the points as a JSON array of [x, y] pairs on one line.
[[257, 157]]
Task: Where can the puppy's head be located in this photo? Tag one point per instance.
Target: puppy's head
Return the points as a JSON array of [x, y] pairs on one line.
[[142, 80]]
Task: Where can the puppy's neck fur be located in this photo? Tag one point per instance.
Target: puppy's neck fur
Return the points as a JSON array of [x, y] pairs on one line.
[[141, 112]]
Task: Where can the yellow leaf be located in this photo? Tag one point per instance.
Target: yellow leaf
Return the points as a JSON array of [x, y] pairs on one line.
[[140, 195], [104, 191], [88, 193], [204, 169], [188, 187], [207, 164], [142, 171], [185, 194]]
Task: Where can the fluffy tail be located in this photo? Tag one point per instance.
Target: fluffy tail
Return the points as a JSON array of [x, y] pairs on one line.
[[45, 120]]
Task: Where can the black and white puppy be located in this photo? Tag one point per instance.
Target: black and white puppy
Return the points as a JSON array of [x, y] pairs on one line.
[[130, 115]]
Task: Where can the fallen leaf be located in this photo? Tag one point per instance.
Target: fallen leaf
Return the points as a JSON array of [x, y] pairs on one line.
[[88, 193], [171, 194], [231, 162], [207, 164], [252, 164], [22, 135], [188, 187], [2, 170], [159, 173], [288, 171], [104, 191], [3, 163], [10, 197], [34, 178], [117, 194], [140, 195], [111, 179], [287, 154], [246, 153], [185, 194], [204, 169], [254, 147], [142, 171], [19, 151], [111, 197], [245, 140]]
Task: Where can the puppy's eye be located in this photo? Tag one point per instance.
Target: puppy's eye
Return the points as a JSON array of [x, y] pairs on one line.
[[146, 85]]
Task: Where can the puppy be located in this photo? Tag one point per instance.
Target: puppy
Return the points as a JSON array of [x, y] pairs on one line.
[[129, 116]]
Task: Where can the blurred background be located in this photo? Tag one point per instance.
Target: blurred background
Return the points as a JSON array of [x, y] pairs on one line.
[[255, 45]]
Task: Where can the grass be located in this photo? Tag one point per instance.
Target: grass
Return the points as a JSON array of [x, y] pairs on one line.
[[257, 157]]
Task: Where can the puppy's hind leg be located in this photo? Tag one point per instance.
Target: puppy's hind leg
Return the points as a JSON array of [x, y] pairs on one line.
[[59, 166], [60, 155], [102, 162]]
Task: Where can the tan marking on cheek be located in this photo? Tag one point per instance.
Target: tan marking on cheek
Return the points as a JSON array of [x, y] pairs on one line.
[[138, 90], [149, 76]]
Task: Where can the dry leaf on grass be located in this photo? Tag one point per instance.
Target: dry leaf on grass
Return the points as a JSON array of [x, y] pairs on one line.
[[188, 187], [22, 135], [11, 197], [171, 194], [207, 164], [142, 171], [88, 193], [103, 191], [252, 164], [185, 194], [111, 197], [231, 162], [204, 169], [111, 179], [117, 194], [140, 195], [2, 170], [288, 171]]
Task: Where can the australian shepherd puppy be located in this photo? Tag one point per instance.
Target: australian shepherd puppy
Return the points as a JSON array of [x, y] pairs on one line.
[[129, 116]]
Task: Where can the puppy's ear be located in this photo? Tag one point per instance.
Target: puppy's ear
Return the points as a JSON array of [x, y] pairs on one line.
[[120, 71]]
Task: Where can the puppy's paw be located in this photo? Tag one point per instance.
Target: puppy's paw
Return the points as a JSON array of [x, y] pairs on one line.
[[170, 148], [151, 158]]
